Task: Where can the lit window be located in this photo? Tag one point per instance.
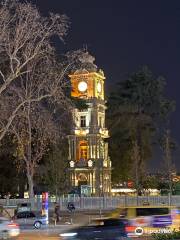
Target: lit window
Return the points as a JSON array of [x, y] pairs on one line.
[[83, 151]]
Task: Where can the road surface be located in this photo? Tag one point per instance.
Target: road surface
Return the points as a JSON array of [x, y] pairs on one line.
[[43, 236], [35, 236], [40, 236], [51, 233]]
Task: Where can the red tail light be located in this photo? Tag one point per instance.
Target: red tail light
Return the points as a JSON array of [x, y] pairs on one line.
[[13, 225], [130, 229]]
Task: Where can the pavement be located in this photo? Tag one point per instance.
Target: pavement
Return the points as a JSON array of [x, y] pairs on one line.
[[78, 217]]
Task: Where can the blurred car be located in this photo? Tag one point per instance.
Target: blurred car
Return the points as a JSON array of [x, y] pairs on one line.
[[23, 207], [147, 219], [107, 229], [8, 229], [29, 219]]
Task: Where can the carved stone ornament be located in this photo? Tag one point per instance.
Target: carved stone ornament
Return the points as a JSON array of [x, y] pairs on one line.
[[86, 58]]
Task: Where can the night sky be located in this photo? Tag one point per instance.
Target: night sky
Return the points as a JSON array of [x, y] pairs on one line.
[[125, 34]]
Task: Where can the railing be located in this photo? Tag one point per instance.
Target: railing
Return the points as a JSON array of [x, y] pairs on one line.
[[96, 203]]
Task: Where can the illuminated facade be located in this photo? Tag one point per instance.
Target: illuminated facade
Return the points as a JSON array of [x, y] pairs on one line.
[[89, 163]]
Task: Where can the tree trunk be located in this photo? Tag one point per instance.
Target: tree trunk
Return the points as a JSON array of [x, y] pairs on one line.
[[31, 185], [168, 160], [29, 154]]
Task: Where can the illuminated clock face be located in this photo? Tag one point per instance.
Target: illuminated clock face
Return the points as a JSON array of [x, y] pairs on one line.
[[82, 86], [99, 88]]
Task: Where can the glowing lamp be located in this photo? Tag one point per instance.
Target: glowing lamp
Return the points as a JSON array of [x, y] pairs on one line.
[[71, 164], [90, 163]]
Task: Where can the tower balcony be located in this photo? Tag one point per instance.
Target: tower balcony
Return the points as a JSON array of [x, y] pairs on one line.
[[82, 163], [99, 163], [81, 131], [99, 130]]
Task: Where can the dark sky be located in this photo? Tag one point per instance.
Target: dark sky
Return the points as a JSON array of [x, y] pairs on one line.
[[124, 34]]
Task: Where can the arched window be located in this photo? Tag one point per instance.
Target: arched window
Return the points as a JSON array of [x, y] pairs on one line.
[[82, 179], [83, 150]]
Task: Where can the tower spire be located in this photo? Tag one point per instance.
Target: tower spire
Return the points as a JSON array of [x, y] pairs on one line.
[[85, 47]]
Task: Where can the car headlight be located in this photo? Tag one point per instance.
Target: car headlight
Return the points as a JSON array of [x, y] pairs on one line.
[[68, 234]]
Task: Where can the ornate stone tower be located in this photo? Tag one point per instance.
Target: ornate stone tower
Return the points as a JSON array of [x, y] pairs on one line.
[[89, 163]]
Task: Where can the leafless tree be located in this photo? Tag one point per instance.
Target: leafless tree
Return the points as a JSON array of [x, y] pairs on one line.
[[36, 124], [32, 132], [25, 45], [32, 81]]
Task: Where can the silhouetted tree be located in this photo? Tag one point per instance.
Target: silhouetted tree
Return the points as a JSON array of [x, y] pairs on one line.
[[135, 111]]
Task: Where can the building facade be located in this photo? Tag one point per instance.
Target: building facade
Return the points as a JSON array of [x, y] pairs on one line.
[[89, 162]]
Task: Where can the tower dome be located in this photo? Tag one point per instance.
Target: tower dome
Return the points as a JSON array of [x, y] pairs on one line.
[[86, 63]]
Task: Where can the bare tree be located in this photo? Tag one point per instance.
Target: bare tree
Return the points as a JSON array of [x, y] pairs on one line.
[[33, 132], [25, 45], [32, 81], [35, 125]]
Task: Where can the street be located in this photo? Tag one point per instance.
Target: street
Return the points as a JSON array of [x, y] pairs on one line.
[[41, 234], [32, 236], [51, 234]]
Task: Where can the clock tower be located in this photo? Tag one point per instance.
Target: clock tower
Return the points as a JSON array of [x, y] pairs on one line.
[[89, 162]]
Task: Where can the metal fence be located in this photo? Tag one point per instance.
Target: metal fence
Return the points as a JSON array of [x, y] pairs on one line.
[[96, 203]]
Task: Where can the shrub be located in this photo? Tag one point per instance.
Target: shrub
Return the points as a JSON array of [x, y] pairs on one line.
[[166, 236]]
